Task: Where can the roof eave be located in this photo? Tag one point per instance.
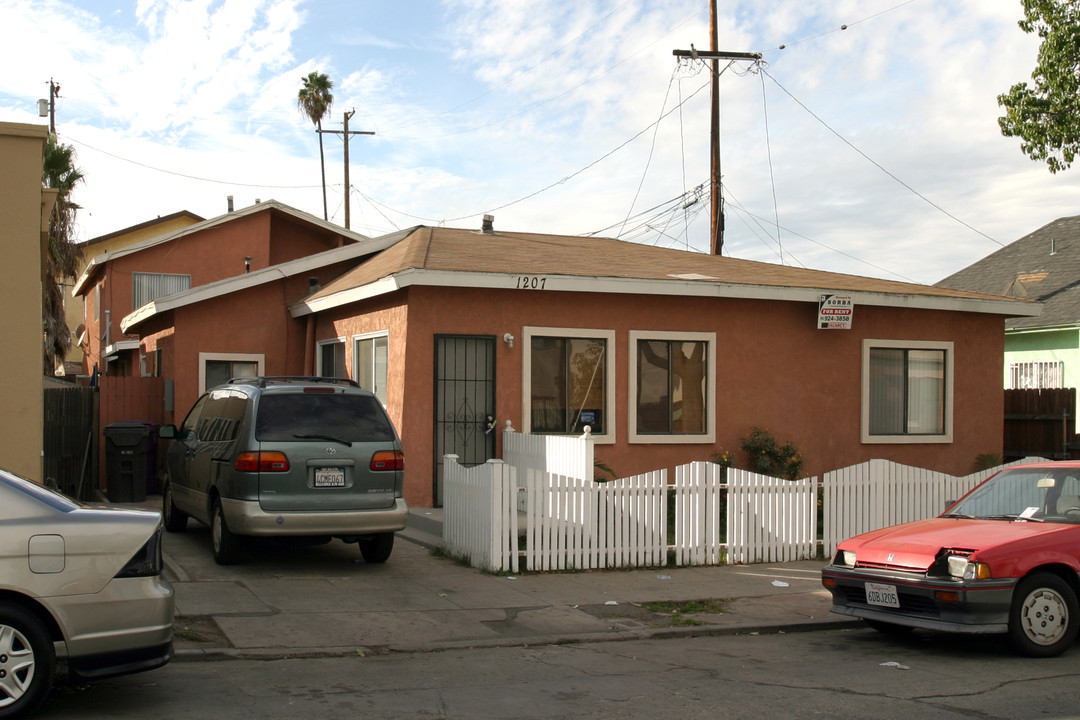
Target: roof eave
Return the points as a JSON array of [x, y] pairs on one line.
[[1008, 307]]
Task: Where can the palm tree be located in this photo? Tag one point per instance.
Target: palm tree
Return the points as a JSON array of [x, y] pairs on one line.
[[62, 261], [314, 101]]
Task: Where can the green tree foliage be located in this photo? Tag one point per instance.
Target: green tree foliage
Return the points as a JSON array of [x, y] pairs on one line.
[[314, 101], [1046, 114], [62, 260]]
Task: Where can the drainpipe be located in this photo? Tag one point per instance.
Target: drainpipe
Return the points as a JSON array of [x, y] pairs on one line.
[[309, 347]]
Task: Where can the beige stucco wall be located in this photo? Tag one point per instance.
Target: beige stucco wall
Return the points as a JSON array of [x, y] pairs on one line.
[[22, 206]]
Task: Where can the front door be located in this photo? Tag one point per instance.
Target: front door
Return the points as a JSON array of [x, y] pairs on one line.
[[464, 401]]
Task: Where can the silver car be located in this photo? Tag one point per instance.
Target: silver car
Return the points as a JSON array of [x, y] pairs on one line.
[[77, 581]]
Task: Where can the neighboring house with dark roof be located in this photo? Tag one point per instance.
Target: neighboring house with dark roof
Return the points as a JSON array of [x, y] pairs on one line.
[[666, 355], [1041, 351]]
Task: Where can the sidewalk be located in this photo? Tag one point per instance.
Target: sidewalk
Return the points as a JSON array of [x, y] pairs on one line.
[[286, 601]]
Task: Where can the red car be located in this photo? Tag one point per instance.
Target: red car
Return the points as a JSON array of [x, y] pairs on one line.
[[1005, 558]]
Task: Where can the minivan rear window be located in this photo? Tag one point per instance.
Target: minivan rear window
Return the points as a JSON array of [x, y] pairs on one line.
[[346, 417]]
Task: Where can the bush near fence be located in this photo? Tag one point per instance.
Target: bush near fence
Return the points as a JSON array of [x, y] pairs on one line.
[[507, 518]]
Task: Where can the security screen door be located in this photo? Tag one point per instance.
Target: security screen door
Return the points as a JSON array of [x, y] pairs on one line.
[[464, 401]]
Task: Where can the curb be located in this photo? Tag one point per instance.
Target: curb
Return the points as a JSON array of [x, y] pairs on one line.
[[268, 654]]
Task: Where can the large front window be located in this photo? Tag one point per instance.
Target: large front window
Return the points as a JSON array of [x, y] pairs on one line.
[[907, 390], [672, 381], [569, 385]]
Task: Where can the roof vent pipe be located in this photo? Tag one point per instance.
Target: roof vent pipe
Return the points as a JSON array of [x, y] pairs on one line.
[[1053, 246], [313, 285], [229, 199], [488, 228]]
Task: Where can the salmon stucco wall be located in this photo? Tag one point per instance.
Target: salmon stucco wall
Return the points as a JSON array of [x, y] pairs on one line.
[[775, 370]]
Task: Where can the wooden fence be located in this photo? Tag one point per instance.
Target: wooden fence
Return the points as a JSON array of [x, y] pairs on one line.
[[1040, 422], [715, 516]]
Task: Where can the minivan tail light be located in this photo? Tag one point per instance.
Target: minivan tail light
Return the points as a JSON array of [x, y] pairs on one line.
[[261, 462], [388, 460]]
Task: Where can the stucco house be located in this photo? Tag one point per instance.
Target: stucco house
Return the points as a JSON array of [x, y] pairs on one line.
[[666, 355], [1041, 351], [25, 208], [123, 278], [110, 242]]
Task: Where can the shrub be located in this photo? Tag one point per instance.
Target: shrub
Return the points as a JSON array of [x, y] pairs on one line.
[[768, 457]]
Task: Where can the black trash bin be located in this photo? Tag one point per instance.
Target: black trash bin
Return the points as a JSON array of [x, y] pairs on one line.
[[127, 448]]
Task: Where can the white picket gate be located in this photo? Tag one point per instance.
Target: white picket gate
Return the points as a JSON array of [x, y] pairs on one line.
[[480, 521]]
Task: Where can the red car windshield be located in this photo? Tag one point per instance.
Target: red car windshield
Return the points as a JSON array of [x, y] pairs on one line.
[[1037, 494]]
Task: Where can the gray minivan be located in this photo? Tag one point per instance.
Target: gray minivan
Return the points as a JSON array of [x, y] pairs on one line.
[[287, 456]]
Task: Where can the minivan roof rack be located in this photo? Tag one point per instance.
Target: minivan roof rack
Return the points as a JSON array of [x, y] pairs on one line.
[[261, 381]]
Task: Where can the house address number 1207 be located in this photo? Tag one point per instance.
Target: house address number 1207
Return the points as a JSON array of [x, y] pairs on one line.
[[531, 282]]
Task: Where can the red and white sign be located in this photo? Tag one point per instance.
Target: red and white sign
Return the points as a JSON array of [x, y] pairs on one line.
[[834, 312]]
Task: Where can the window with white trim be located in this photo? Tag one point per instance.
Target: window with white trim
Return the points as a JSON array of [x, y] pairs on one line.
[[907, 391], [1043, 374], [569, 381], [218, 368], [146, 287], [370, 361], [672, 387], [331, 358]]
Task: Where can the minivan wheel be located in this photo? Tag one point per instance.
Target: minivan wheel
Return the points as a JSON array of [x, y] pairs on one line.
[[27, 661], [376, 548], [175, 519], [1044, 618], [226, 545]]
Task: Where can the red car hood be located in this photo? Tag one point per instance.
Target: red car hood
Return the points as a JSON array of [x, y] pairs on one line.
[[916, 545]]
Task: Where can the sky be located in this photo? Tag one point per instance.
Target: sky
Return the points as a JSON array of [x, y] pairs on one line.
[[866, 141]]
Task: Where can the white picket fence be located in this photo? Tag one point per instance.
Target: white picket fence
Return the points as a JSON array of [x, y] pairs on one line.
[[500, 516]]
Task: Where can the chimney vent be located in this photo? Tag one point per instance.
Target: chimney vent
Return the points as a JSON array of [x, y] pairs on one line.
[[488, 228]]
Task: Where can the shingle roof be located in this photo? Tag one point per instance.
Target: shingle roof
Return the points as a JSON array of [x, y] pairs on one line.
[[1043, 265], [450, 250]]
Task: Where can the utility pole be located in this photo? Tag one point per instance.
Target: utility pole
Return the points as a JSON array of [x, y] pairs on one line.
[[716, 225], [346, 133], [48, 107]]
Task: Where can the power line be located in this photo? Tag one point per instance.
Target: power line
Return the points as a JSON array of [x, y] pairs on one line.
[[878, 165]]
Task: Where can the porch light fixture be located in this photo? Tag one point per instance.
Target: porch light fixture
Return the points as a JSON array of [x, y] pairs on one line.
[[508, 339]]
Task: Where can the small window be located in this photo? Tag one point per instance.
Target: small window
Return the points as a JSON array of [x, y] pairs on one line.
[[332, 359], [907, 391], [672, 387], [570, 381], [370, 356], [147, 287], [150, 363], [218, 368]]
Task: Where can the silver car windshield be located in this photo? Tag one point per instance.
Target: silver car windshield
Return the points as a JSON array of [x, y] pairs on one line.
[[1038, 495], [39, 492]]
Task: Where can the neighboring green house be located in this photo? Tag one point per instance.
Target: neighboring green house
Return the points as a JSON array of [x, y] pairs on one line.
[[1041, 351]]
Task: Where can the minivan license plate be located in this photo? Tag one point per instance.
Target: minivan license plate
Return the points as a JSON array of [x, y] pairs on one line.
[[330, 477], [883, 595]]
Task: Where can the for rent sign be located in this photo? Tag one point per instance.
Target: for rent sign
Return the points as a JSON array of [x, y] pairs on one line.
[[834, 312]]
